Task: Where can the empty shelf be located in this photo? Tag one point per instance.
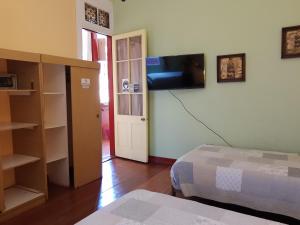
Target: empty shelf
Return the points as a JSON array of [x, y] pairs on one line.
[[16, 160], [57, 157], [53, 93], [15, 126], [54, 126], [18, 92], [18, 195]]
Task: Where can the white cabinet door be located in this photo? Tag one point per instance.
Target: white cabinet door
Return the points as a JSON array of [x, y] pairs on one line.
[[130, 92]]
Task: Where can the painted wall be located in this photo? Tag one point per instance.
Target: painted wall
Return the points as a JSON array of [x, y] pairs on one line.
[[263, 112], [47, 26]]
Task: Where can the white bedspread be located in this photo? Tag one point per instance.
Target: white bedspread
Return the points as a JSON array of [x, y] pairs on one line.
[[142, 207], [262, 180]]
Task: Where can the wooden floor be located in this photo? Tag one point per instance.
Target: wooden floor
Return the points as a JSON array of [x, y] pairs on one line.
[[105, 150], [67, 206]]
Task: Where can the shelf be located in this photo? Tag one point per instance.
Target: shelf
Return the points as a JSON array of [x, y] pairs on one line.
[[130, 93], [17, 92], [16, 160], [127, 60], [47, 127], [18, 195], [57, 157], [15, 126], [53, 93]]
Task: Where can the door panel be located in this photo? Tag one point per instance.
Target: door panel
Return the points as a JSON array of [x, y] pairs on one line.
[[136, 105], [123, 73], [135, 70], [86, 126], [130, 90], [122, 51]]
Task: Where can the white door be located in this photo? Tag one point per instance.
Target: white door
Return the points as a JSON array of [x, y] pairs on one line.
[[130, 92]]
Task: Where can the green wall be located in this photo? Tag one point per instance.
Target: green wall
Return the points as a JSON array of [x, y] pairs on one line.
[[263, 112]]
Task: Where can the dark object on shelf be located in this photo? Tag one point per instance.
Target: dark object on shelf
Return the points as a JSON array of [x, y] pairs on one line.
[[8, 81]]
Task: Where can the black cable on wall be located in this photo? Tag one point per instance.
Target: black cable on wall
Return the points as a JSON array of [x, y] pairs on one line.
[[198, 120]]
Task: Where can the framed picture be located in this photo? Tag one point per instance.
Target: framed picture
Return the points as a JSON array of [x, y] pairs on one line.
[[290, 44], [125, 85], [231, 68], [103, 18], [91, 13]]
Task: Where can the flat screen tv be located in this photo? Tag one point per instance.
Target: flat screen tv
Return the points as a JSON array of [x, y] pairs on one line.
[[175, 72]]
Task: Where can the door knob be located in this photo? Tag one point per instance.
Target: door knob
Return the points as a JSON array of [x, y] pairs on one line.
[[98, 115], [143, 119]]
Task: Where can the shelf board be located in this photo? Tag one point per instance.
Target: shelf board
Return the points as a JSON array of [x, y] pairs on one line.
[[14, 126], [53, 93], [15, 92], [47, 127], [57, 157], [18, 195], [130, 93], [16, 160], [127, 60]]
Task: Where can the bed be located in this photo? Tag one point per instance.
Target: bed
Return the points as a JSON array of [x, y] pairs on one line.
[[262, 180], [142, 207]]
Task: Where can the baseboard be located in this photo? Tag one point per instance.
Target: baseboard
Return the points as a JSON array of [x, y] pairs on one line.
[[161, 160]]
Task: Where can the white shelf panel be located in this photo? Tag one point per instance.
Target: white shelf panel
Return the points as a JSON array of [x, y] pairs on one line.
[[53, 126], [130, 93], [56, 144], [126, 60], [53, 93], [58, 156], [15, 126], [18, 195], [18, 92], [16, 160]]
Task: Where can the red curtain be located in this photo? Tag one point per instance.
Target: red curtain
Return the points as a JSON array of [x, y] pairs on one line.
[[95, 53]]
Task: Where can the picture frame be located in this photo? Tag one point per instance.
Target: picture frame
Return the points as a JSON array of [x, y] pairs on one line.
[[231, 68], [103, 19], [290, 42], [125, 85], [91, 13]]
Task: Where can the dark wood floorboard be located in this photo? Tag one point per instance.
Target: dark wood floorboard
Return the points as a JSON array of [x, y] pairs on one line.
[[68, 206]]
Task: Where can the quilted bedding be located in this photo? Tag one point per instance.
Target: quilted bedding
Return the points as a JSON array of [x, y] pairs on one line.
[[142, 207], [262, 180]]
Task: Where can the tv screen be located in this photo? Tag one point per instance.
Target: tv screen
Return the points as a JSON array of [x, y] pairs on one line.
[[176, 72]]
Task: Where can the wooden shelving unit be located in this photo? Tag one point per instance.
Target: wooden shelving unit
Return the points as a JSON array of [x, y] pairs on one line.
[[34, 142], [55, 123], [22, 161]]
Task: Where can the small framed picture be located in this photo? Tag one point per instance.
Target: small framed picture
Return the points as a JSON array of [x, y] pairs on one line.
[[125, 85], [103, 18], [290, 44], [231, 68], [91, 13]]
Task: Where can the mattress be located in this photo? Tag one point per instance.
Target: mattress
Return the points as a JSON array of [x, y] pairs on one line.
[[262, 180], [142, 207]]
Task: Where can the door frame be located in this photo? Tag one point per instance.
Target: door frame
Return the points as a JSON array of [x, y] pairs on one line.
[[111, 93], [111, 97]]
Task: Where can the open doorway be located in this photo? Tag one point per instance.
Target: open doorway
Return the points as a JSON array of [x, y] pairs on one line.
[[97, 47]]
